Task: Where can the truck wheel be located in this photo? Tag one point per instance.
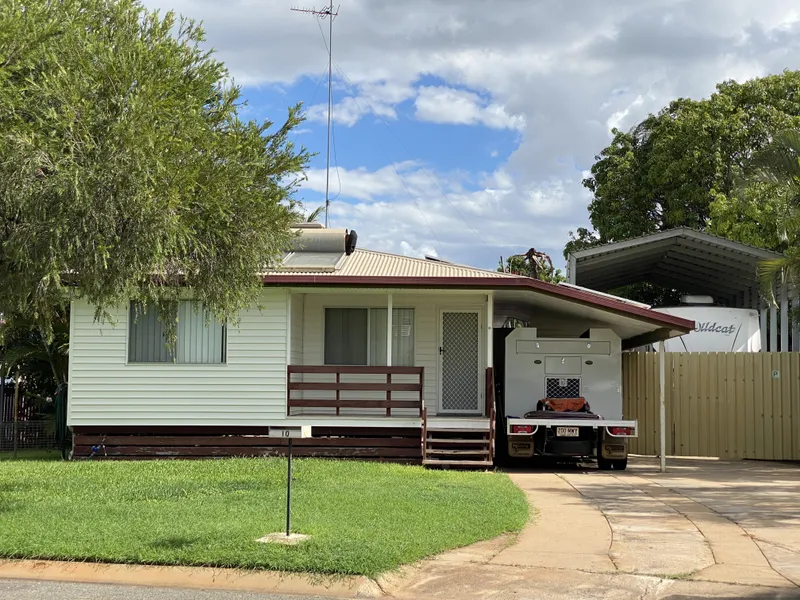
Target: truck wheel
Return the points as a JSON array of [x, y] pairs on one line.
[[604, 464], [619, 465]]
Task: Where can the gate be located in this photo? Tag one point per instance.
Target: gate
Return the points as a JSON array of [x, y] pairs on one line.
[[35, 425]]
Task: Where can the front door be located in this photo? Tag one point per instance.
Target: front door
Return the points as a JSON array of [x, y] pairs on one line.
[[460, 354]]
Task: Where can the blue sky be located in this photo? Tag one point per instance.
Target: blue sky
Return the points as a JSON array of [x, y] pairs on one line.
[[464, 128]]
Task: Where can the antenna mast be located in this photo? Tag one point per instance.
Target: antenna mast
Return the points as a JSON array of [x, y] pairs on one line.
[[321, 14]]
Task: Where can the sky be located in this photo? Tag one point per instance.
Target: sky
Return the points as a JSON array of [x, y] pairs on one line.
[[464, 128]]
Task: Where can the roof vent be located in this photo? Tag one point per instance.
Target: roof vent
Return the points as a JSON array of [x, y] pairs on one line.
[[707, 300], [350, 240]]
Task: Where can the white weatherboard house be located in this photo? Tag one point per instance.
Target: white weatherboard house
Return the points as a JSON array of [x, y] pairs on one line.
[[377, 352]]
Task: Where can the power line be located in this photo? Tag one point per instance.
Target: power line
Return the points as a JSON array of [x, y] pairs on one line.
[[419, 166], [336, 159], [321, 14]]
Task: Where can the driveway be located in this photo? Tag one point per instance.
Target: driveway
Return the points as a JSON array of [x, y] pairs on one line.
[[706, 528]]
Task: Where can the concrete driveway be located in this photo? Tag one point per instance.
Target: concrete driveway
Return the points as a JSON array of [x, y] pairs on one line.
[[706, 528]]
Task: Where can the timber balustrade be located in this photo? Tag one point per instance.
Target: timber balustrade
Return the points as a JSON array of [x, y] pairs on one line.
[[379, 391]]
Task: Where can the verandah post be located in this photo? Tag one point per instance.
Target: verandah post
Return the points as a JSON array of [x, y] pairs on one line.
[[389, 336], [662, 408]]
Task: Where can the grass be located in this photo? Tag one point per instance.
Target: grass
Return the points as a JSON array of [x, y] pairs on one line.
[[364, 518], [31, 455]]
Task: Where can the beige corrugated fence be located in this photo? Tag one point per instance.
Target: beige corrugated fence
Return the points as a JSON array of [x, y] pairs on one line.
[[728, 405]]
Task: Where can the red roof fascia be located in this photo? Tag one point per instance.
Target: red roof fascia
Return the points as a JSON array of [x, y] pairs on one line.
[[493, 283]]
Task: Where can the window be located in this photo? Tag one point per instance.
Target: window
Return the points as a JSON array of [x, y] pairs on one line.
[[357, 336], [201, 338]]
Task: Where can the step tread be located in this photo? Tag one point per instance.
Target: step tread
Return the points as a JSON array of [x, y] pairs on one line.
[[458, 463], [449, 430], [450, 452], [476, 441]]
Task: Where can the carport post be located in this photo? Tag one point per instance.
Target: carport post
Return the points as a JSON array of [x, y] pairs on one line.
[[662, 409]]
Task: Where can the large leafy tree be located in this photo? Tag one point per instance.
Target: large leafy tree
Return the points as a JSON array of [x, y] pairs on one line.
[[683, 167], [125, 167]]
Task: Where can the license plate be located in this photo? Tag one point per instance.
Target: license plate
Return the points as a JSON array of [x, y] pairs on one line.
[[567, 432]]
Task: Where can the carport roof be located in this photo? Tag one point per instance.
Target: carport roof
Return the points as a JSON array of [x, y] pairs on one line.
[[683, 259]]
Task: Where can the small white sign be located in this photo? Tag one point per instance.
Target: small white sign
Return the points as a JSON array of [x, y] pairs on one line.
[[776, 374], [291, 431]]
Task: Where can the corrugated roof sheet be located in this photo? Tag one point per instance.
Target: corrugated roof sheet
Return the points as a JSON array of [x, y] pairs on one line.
[[368, 263], [681, 258]]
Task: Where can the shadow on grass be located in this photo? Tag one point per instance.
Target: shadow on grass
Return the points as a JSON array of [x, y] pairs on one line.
[[9, 507], [172, 543], [17, 486]]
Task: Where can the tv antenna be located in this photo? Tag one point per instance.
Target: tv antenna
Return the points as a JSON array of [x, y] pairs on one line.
[[328, 13]]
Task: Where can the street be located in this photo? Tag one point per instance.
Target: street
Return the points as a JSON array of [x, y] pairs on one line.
[[55, 590]]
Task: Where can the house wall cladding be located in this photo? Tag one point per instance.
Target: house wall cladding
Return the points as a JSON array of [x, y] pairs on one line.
[[726, 405], [427, 330], [248, 389]]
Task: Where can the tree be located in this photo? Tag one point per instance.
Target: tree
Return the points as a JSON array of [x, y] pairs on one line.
[[42, 358], [533, 264], [682, 167], [125, 169], [777, 166]]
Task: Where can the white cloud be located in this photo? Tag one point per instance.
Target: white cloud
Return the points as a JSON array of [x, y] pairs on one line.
[[440, 104], [568, 71], [401, 208], [366, 100], [617, 118], [349, 111]]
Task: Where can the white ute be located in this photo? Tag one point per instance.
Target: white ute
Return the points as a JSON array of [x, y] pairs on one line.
[[548, 384]]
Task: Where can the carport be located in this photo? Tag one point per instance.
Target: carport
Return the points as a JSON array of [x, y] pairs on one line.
[[692, 262], [566, 310]]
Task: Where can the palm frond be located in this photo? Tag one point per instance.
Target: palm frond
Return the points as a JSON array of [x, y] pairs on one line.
[[779, 162], [785, 269], [315, 214]]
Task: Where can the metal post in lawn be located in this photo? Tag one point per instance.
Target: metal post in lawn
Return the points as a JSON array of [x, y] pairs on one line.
[[287, 432], [289, 492], [16, 413], [2, 404]]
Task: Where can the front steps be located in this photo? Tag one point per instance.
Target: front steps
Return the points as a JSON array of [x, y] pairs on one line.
[[455, 448]]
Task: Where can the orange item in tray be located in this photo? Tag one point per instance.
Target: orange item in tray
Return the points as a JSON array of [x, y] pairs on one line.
[[565, 404]]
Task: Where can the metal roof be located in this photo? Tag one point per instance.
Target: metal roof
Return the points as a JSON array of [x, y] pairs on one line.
[[683, 259], [368, 263]]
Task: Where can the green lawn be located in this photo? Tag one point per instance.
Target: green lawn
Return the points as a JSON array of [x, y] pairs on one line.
[[364, 518], [31, 455]]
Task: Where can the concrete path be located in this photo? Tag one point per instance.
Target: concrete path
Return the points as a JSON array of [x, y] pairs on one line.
[[567, 533], [706, 529]]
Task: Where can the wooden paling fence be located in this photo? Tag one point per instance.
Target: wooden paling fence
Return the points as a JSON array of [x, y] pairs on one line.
[[727, 405]]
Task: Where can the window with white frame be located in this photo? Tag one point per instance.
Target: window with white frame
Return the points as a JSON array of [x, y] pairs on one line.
[[201, 338], [358, 336]]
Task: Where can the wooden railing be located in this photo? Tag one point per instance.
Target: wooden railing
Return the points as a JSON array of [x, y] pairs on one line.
[[337, 386], [490, 409], [424, 434]]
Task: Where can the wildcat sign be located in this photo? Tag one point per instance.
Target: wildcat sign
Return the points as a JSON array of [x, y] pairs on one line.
[[708, 327]]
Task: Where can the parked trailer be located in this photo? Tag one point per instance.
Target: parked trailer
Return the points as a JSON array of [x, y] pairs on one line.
[[547, 386]]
